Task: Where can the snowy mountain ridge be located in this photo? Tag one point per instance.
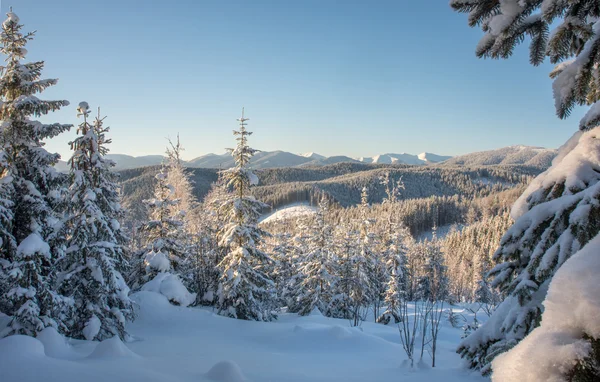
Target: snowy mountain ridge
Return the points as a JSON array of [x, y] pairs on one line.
[[518, 154]]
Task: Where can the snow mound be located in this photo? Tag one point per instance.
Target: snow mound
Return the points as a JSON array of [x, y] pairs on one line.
[[572, 307], [55, 345], [112, 348], [226, 371], [21, 346], [92, 328], [316, 312], [159, 261], [337, 332], [150, 300], [171, 287]]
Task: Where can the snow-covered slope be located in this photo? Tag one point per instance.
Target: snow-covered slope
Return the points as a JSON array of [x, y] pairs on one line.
[[331, 160], [195, 345], [432, 158], [125, 162], [527, 155], [291, 211]]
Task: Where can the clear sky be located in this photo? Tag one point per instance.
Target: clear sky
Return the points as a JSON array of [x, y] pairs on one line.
[[351, 77]]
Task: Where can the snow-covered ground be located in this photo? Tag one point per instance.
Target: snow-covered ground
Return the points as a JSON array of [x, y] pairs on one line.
[[290, 211], [194, 344], [441, 232]]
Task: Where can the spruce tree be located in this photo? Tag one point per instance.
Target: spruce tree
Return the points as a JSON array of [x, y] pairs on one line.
[[283, 268], [160, 262], [245, 291], [30, 191], [342, 304], [558, 214], [317, 268], [97, 245], [396, 271]]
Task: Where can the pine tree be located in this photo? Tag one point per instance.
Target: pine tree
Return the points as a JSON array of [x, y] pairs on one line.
[[162, 259], [558, 214], [342, 304], [208, 254], [396, 271], [190, 236], [283, 269], [7, 240], [316, 267], [30, 190], [96, 248], [245, 291], [183, 188]]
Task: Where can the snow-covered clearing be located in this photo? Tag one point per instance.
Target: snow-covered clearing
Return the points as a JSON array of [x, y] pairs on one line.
[[440, 232], [194, 344], [291, 211]]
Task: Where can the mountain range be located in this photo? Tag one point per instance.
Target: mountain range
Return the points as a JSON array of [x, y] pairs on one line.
[[527, 155]]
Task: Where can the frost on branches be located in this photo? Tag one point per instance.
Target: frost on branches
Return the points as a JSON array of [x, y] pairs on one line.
[[317, 267], [245, 291], [30, 191], [566, 346], [162, 259], [573, 45], [95, 256], [559, 213], [556, 216]]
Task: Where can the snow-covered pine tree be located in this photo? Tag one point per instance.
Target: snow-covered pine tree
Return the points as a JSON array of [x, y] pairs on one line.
[[96, 245], [558, 214], [396, 241], [31, 189], [300, 242], [363, 290], [342, 304], [7, 240], [179, 178], [283, 268], [160, 261], [245, 291], [317, 268], [374, 266], [395, 265], [208, 254]]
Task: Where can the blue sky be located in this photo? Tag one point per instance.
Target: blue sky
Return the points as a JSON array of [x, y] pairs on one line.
[[336, 77]]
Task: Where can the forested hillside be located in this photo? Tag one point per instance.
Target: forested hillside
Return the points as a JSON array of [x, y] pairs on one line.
[[342, 183]]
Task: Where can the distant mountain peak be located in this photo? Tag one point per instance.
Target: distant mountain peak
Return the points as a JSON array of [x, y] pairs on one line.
[[312, 155]]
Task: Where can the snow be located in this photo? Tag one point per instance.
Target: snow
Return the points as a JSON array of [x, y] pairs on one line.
[[253, 178], [112, 348], [441, 232], [572, 307], [55, 345], [226, 371], [11, 17], [312, 155], [171, 287], [83, 108], [576, 165], [92, 327], [158, 261], [33, 244], [291, 211], [179, 344]]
